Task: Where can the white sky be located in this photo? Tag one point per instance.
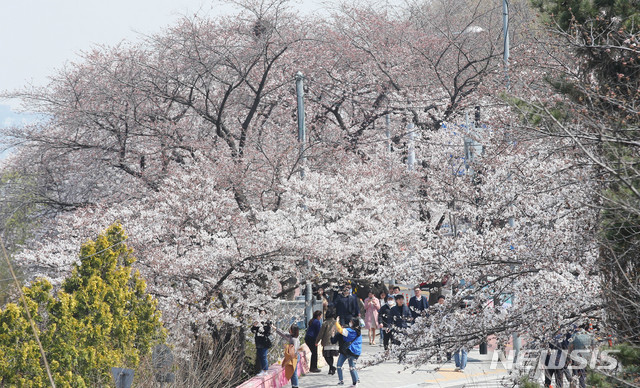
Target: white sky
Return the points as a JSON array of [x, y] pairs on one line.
[[39, 36]]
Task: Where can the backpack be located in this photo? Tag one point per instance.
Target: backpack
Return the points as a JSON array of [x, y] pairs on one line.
[[267, 342], [262, 339], [344, 348]]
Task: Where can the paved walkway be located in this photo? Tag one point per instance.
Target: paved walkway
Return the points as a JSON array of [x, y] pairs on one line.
[[390, 374]]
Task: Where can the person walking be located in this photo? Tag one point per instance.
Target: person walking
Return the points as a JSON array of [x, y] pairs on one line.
[[383, 298], [262, 331], [361, 310], [460, 355], [327, 331], [555, 362], [460, 358], [322, 297], [291, 355], [418, 304], [581, 341], [371, 307], [395, 291], [350, 349], [384, 319], [383, 301], [399, 318], [346, 306], [311, 337]]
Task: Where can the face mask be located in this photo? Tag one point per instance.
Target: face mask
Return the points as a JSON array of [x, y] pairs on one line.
[[391, 303]]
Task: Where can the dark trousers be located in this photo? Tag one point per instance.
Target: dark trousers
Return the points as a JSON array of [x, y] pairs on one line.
[[559, 373], [387, 337], [311, 343], [555, 364], [261, 355], [393, 336], [328, 360], [582, 377], [329, 356]]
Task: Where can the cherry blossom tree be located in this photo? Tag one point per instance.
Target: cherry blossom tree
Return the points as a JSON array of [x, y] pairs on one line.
[[587, 56], [189, 140], [525, 276]]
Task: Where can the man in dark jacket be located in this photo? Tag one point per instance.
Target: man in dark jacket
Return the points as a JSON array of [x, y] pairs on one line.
[[555, 362], [346, 306], [384, 319], [418, 304], [399, 318]]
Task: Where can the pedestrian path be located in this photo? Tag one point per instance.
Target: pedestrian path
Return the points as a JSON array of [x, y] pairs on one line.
[[390, 374]]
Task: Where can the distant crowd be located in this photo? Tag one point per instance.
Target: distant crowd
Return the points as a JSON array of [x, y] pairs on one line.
[[338, 329]]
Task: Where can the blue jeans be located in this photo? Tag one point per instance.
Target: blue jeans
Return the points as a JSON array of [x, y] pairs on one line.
[[460, 358], [294, 378], [261, 355], [352, 367]]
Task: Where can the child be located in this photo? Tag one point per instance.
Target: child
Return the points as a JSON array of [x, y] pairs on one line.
[[350, 349], [291, 355]]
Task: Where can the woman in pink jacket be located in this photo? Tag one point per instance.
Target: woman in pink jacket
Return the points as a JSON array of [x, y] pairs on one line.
[[371, 306]]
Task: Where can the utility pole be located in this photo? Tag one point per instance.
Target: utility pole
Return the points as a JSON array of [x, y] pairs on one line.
[[302, 136], [505, 28], [467, 147], [302, 130], [476, 125], [472, 147], [387, 117]]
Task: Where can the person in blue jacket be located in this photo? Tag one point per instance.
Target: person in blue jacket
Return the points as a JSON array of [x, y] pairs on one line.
[[311, 338], [350, 349]]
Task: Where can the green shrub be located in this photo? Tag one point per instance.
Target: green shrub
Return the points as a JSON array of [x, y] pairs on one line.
[[525, 382], [597, 380], [102, 317], [627, 355]]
